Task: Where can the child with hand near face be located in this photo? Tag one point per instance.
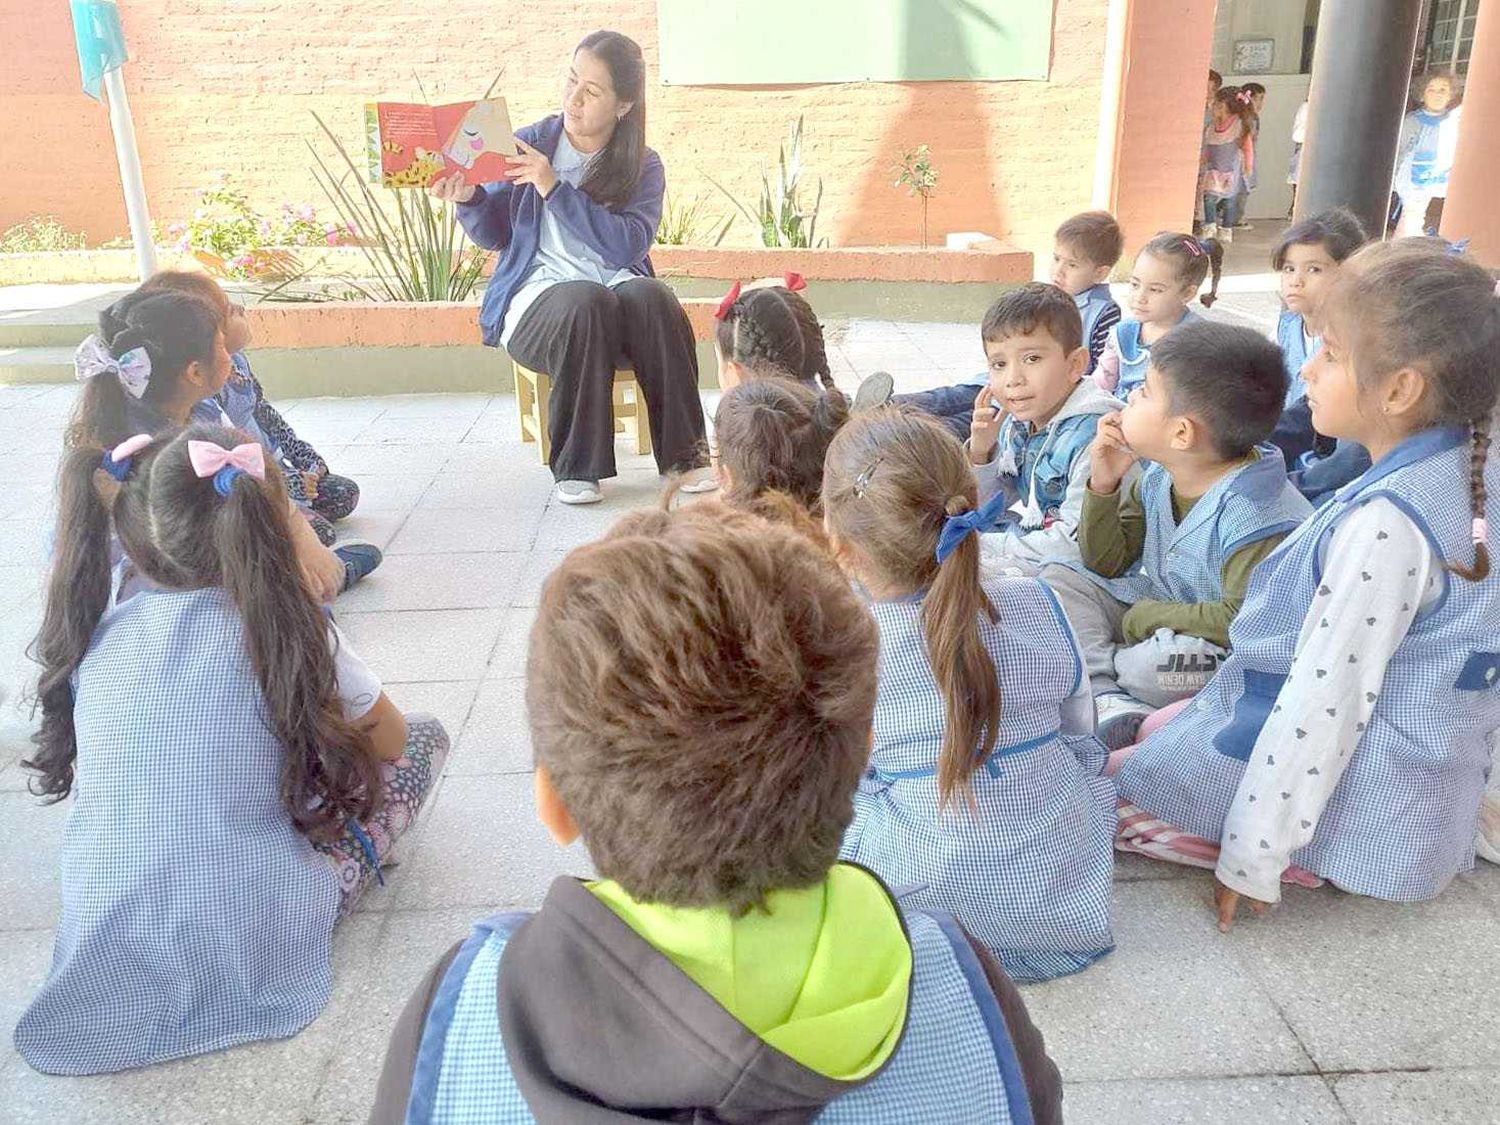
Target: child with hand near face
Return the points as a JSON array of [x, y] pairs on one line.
[[1032, 426]]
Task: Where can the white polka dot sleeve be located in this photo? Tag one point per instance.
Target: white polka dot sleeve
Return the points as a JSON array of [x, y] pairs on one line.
[[1378, 572]]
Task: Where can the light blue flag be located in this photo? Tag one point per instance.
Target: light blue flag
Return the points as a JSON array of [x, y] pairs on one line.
[[101, 41]]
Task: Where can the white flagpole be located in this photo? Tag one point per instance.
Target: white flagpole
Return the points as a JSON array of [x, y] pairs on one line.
[[130, 172]]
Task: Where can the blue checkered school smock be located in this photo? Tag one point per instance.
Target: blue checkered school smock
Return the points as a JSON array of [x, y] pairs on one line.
[[955, 1062], [1185, 562], [1029, 872], [1400, 823], [194, 916]]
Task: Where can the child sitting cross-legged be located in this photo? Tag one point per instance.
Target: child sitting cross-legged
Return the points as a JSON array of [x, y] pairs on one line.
[[699, 689], [984, 790], [237, 773], [1032, 427], [1350, 731], [324, 496], [1166, 559], [158, 361], [1165, 277], [319, 495], [1085, 248]]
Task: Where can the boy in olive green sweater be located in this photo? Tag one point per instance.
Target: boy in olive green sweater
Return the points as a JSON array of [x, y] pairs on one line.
[[1167, 558]]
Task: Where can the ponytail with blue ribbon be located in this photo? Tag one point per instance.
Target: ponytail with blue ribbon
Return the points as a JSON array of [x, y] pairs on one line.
[[958, 528]]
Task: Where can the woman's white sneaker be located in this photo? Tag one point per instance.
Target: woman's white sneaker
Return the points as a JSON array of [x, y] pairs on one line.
[[579, 491]]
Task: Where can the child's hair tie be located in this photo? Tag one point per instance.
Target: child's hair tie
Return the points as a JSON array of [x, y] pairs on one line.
[[793, 281], [1481, 529], [133, 368], [722, 312], [862, 482], [209, 459], [117, 461], [1194, 246], [1242, 96], [958, 528]]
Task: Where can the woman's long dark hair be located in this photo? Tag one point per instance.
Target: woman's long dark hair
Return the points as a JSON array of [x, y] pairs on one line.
[[181, 534], [615, 174]]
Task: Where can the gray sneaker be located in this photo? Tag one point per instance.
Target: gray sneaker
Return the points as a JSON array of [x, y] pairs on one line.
[[579, 491], [1120, 719], [874, 391]]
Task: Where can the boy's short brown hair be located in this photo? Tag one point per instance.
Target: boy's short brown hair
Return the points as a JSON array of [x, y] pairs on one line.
[[1034, 305], [1094, 235], [700, 689]]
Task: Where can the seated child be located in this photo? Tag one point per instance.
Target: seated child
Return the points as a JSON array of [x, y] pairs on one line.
[[156, 358], [1165, 561], [768, 330], [724, 966], [1349, 732], [1084, 251], [1167, 274], [1307, 259], [983, 791], [1032, 426], [237, 773], [772, 436], [325, 497]]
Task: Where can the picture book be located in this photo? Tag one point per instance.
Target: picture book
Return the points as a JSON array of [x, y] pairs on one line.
[[411, 144]]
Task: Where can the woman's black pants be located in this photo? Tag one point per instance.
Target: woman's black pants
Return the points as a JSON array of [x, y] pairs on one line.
[[575, 333]]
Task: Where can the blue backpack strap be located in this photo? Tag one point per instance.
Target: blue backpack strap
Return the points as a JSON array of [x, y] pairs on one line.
[[429, 1065], [994, 1020]]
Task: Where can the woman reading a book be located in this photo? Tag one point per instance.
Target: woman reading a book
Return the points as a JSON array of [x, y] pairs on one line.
[[574, 291]]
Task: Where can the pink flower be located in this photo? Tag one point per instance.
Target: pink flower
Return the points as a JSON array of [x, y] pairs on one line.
[[332, 238], [306, 213], [175, 229]]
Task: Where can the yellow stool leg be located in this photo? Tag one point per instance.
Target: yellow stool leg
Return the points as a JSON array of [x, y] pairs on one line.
[[525, 399], [543, 421]]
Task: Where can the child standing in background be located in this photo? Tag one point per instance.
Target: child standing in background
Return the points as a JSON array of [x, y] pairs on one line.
[[1031, 429], [1166, 276], [1166, 560], [1349, 733], [1249, 181], [1429, 141], [1228, 155], [1085, 249], [237, 773], [984, 790]]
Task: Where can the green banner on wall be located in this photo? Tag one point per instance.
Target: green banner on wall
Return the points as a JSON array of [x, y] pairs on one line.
[[794, 42]]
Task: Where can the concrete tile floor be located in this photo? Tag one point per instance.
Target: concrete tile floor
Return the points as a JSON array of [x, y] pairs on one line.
[[1333, 1010]]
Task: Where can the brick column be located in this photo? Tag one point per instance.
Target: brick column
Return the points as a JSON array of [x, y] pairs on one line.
[[1470, 211], [1161, 96]]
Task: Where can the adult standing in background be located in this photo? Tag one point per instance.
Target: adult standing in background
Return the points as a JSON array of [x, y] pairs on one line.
[[574, 290]]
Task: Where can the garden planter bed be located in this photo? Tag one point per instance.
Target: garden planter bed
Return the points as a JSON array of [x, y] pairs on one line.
[[365, 347]]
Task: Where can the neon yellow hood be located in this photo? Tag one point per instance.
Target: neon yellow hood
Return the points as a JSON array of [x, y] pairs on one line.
[[823, 975]]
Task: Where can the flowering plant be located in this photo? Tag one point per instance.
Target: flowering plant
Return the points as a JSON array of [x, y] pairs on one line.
[[232, 239]]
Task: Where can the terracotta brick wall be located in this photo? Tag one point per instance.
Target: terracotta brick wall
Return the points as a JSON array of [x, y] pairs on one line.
[[228, 84]]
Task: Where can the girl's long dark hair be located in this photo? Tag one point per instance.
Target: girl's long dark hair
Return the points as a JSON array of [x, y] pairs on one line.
[[614, 175], [175, 328], [181, 534]]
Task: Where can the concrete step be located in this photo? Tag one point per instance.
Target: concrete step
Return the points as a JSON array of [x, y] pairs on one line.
[[20, 366], [44, 328]]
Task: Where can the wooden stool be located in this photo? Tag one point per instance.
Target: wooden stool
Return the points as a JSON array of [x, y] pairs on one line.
[[534, 390]]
